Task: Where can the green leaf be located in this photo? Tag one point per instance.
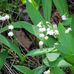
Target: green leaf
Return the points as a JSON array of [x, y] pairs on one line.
[[3, 56], [46, 62], [52, 56], [20, 24], [11, 45], [66, 46], [23, 69], [34, 4], [57, 70], [66, 40], [47, 8], [50, 42], [34, 13], [63, 63], [39, 70], [67, 22], [72, 24], [23, 1], [37, 52], [38, 2], [61, 6], [72, 69]]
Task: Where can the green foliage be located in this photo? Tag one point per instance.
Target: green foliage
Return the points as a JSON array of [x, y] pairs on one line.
[[47, 8], [66, 40], [66, 46], [52, 56], [72, 24], [57, 70], [37, 52], [23, 69], [3, 56], [39, 70], [34, 14], [61, 6], [12, 46]]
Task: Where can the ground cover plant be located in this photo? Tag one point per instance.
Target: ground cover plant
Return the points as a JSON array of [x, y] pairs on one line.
[[49, 25]]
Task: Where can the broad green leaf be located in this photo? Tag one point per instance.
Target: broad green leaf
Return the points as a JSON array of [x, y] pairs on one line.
[[39, 70], [69, 57], [63, 63], [46, 62], [72, 69], [20, 24], [66, 40], [57, 70], [34, 4], [47, 8], [51, 64], [37, 52], [67, 22], [3, 56], [11, 45], [61, 6], [38, 2], [66, 45], [72, 24], [23, 69], [52, 56], [34, 13]]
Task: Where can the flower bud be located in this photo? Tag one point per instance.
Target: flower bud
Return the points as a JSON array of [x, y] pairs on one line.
[[10, 27], [41, 43], [10, 34]]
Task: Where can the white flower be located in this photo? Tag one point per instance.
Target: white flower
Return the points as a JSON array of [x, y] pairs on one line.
[[10, 27], [47, 72], [51, 32], [56, 43], [47, 22], [10, 34], [41, 35], [68, 30], [2, 18], [42, 29], [64, 17], [48, 29], [56, 32], [30, 1], [7, 17], [46, 37], [41, 43], [39, 24]]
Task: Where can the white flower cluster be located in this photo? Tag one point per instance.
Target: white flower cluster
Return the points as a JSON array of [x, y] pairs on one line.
[[45, 31], [10, 27], [47, 72], [3, 18]]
